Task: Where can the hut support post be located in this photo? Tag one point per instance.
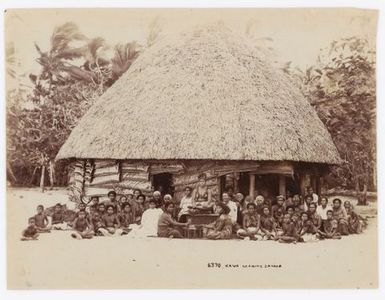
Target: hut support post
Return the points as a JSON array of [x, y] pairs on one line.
[[282, 185], [252, 185], [236, 178], [302, 183], [317, 184]]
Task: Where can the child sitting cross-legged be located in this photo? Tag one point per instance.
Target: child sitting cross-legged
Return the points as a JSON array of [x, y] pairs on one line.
[[41, 220], [308, 231], [82, 229], [268, 224], [57, 218], [289, 231], [111, 221], [30, 233], [126, 218], [251, 223], [329, 227]]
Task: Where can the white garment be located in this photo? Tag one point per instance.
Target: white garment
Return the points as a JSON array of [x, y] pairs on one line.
[[233, 211], [185, 203], [323, 211], [149, 223]]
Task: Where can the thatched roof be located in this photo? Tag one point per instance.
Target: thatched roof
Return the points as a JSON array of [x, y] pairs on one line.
[[205, 94]]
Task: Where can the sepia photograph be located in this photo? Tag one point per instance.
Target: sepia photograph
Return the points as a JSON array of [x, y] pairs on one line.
[[191, 148]]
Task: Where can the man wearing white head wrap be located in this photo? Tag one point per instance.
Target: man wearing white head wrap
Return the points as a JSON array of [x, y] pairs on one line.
[[259, 203], [157, 196]]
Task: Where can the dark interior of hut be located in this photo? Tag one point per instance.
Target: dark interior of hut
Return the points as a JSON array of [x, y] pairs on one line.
[[163, 183], [266, 185]]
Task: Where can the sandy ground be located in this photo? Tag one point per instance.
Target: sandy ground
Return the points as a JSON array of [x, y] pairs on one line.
[[56, 261]]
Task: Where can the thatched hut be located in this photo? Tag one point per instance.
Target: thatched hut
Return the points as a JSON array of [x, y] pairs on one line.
[[204, 101]]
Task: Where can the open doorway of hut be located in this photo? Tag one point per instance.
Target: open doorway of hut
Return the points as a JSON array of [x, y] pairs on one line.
[[163, 183]]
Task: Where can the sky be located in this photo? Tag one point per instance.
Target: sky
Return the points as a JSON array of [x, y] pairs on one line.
[[297, 34]]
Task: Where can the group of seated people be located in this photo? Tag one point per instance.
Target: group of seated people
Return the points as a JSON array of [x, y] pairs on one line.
[[288, 220]]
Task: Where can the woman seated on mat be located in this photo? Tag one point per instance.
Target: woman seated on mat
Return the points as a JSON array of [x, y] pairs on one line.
[[167, 226], [222, 228]]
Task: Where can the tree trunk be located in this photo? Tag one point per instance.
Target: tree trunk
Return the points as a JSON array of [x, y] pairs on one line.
[[42, 178], [33, 176], [362, 195], [357, 187], [10, 172], [51, 173]]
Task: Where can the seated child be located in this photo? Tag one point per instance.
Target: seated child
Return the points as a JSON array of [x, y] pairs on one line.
[[82, 207], [94, 202], [101, 209], [297, 206], [112, 201], [222, 227], [247, 200], [138, 208], [126, 218], [297, 222], [278, 210], [41, 220], [339, 213], [82, 228], [308, 230], [314, 217], [97, 223], [289, 231], [308, 199], [268, 224], [329, 228], [30, 233], [167, 225], [57, 218], [290, 210], [111, 221], [123, 199], [355, 222], [251, 223]]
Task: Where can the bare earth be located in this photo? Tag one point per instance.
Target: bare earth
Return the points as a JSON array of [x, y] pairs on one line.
[[56, 261]]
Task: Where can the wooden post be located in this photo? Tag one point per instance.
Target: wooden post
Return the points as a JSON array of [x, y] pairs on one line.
[[313, 182], [236, 178], [252, 185], [282, 185], [317, 185], [302, 184]]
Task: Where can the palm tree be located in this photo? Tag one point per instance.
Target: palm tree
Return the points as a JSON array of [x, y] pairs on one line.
[[10, 60], [56, 62], [124, 56]]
